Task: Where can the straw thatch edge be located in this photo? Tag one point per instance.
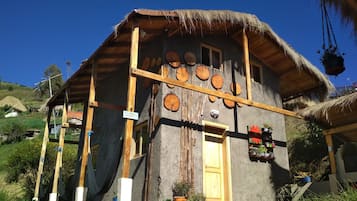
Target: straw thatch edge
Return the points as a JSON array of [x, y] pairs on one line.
[[193, 19], [320, 111]]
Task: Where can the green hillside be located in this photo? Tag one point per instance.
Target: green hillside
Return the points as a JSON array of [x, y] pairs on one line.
[[23, 93]]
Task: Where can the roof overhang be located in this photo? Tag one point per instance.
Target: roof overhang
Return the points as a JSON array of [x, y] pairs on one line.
[[337, 116], [297, 75]]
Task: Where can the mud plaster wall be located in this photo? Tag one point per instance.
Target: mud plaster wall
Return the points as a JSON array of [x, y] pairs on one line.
[[250, 180]]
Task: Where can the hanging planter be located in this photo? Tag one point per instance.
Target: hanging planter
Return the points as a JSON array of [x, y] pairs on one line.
[[333, 62], [331, 58]]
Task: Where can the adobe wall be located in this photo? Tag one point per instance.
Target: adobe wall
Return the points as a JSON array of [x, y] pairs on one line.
[[250, 180]]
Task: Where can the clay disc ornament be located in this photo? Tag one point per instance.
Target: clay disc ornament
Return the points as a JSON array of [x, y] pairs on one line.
[[212, 99], [217, 81], [229, 103], [173, 58], [165, 73], [182, 74], [172, 102], [235, 88], [190, 58], [202, 72]]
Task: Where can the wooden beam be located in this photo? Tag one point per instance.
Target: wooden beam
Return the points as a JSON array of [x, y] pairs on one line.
[[88, 128], [247, 65], [60, 146], [43, 155], [340, 129], [216, 93], [107, 106], [331, 154], [112, 55], [130, 101]]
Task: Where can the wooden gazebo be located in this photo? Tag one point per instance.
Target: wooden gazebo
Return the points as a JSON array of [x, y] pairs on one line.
[[338, 117]]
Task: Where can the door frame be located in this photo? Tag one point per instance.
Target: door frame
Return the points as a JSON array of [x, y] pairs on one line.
[[219, 131]]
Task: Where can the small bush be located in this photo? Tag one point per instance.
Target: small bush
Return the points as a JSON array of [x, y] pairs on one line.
[[4, 196], [14, 130], [23, 163]]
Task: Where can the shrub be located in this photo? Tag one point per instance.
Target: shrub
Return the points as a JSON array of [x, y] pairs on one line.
[[4, 196], [181, 188], [14, 130], [23, 163]]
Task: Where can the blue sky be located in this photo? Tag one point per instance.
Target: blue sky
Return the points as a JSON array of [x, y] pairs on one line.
[[35, 34]]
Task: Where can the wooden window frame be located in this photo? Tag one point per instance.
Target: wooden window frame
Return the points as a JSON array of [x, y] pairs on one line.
[[260, 67], [141, 126], [212, 48], [257, 64]]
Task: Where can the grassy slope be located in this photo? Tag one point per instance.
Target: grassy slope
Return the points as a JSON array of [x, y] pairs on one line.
[[23, 93], [30, 121], [14, 190]]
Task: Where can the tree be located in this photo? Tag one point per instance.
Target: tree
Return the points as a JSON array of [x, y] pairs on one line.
[[53, 81]]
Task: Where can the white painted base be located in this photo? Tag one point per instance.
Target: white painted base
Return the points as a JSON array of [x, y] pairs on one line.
[[53, 197], [80, 194], [34, 199], [125, 186]]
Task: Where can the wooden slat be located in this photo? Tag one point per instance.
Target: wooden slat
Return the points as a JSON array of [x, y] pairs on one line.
[[130, 101], [60, 147], [42, 156], [216, 93], [247, 66], [88, 128], [107, 106], [341, 129]]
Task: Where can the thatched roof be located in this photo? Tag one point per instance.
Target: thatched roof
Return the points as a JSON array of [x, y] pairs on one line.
[[14, 103], [347, 9], [297, 75], [330, 112], [339, 112]]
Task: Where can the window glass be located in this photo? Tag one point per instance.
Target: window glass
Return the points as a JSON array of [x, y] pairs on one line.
[[145, 139], [205, 56], [256, 74], [216, 59]]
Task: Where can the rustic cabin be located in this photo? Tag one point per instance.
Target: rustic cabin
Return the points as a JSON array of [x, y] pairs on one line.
[[184, 97], [338, 118]]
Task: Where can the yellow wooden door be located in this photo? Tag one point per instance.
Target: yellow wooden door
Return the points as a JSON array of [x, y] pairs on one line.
[[213, 169]]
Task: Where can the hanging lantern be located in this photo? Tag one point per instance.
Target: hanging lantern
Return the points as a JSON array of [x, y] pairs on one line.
[[331, 58]]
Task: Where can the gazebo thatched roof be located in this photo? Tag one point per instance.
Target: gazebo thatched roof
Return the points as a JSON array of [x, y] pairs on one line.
[[297, 75], [14, 103], [336, 113]]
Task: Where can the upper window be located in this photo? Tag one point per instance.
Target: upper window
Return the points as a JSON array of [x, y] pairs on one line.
[[211, 56], [256, 73], [141, 139]]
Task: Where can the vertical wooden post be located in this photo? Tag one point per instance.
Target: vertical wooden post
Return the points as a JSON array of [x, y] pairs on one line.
[[88, 128], [331, 154], [247, 65], [130, 101], [60, 149], [43, 154]]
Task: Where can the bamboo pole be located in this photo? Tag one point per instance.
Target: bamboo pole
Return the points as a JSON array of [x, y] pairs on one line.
[[130, 101], [331, 154], [216, 93], [60, 149], [88, 128], [247, 66], [43, 155]]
